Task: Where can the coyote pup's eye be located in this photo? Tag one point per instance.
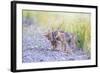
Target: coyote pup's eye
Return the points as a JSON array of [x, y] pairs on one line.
[[57, 38]]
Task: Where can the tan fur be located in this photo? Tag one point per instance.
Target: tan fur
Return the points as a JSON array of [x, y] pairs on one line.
[[60, 37]]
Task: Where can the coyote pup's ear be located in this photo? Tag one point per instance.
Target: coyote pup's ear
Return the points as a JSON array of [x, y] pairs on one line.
[[47, 35]]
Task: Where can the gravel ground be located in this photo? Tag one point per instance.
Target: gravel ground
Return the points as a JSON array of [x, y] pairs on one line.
[[37, 48]]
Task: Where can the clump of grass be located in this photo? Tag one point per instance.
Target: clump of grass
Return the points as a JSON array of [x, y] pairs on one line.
[[83, 34]]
